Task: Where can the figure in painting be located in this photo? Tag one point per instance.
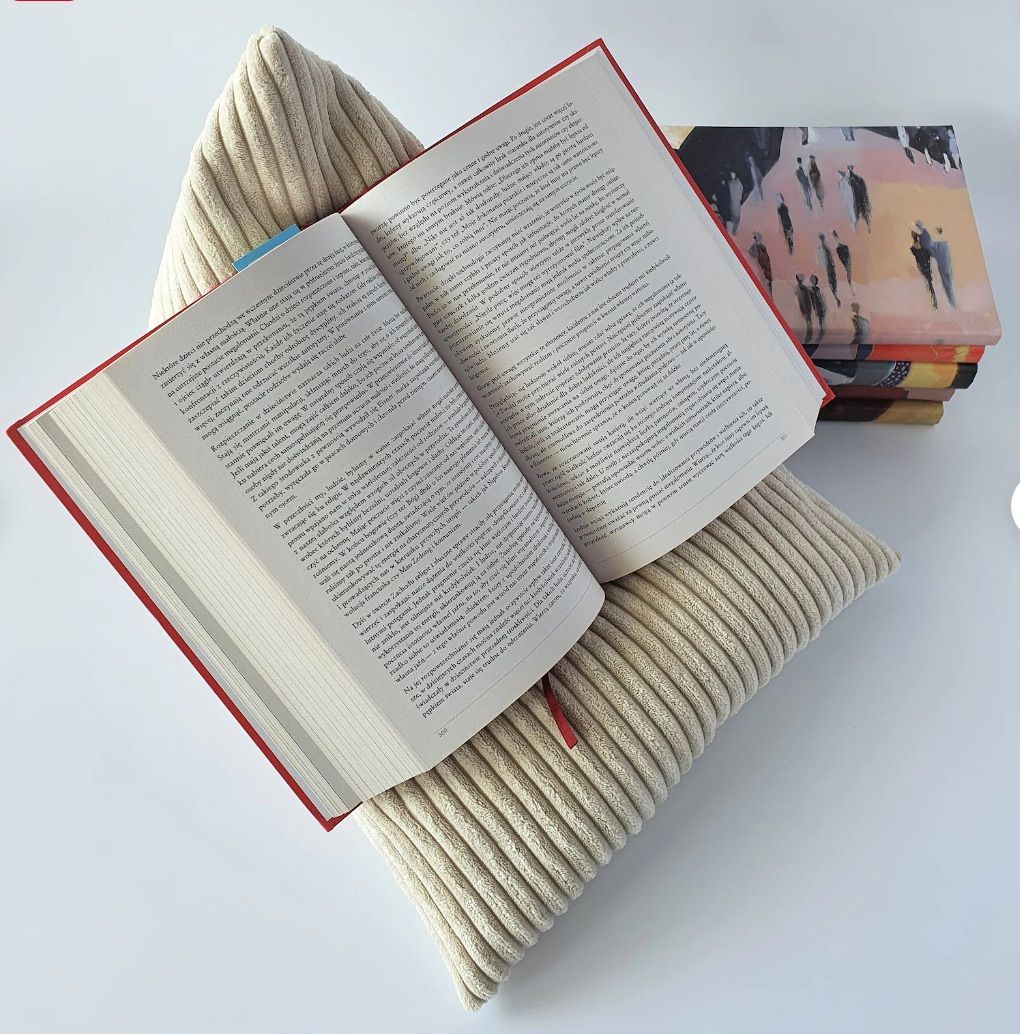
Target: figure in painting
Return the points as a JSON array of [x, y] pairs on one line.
[[752, 166], [922, 232], [826, 262], [862, 202], [760, 254], [815, 176], [922, 256], [843, 254], [939, 249], [722, 200], [805, 183], [785, 222], [818, 306], [846, 192], [736, 189], [953, 148], [848, 132], [861, 325], [804, 304], [901, 135]]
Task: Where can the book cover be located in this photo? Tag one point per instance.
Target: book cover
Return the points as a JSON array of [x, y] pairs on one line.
[[865, 236]]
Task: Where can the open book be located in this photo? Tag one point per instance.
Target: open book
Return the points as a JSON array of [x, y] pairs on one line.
[[372, 484]]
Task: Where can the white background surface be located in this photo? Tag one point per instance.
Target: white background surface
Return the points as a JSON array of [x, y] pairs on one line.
[[844, 856]]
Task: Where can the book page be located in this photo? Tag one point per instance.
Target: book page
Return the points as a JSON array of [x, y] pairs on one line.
[[571, 278], [331, 490]]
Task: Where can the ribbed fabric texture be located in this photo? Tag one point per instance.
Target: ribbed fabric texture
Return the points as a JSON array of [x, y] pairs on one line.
[[291, 139], [495, 842]]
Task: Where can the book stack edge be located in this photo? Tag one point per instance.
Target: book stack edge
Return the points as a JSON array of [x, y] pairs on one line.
[[866, 239]]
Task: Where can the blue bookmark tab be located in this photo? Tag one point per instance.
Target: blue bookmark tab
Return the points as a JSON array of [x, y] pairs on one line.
[[264, 249]]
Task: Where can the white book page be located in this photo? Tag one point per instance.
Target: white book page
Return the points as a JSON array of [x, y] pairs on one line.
[[319, 421], [569, 276]]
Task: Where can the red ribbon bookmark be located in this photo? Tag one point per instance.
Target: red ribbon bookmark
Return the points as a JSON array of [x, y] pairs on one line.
[[568, 734]]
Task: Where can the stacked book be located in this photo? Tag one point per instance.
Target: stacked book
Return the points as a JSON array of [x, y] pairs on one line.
[[866, 241]]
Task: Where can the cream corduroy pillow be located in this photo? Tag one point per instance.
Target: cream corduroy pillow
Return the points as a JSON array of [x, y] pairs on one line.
[[495, 842]]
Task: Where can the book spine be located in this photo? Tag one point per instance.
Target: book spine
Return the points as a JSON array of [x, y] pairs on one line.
[[902, 353], [863, 391], [898, 375], [882, 411]]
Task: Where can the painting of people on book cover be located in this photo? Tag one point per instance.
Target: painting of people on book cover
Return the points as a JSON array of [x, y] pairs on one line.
[[863, 236]]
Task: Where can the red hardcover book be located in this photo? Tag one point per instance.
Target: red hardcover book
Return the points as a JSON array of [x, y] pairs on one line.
[[370, 486]]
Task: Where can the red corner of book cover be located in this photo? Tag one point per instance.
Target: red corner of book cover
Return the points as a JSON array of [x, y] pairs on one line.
[[37, 463]]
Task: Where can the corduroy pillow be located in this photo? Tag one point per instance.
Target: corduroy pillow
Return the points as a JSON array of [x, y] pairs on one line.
[[495, 842]]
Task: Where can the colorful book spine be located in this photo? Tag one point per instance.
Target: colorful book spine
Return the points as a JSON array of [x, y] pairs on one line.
[[900, 353], [864, 391], [882, 411], [897, 375]]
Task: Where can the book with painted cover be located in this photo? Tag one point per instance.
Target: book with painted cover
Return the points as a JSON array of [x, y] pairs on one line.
[[890, 374], [861, 391], [371, 484], [882, 411], [863, 235]]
